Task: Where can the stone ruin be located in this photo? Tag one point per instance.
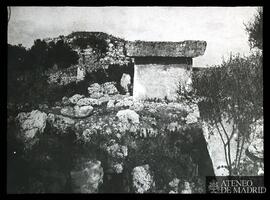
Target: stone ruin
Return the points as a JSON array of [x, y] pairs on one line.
[[159, 67]]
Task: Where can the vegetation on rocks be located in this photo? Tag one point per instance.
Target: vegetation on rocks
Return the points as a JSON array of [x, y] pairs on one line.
[[230, 98]]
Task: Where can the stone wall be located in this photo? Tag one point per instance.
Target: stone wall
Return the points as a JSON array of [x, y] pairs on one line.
[[159, 79]]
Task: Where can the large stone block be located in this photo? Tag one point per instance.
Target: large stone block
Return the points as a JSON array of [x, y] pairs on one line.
[[159, 80], [188, 48]]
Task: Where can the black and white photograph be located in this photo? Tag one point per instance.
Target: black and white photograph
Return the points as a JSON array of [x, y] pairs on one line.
[[135, 99]]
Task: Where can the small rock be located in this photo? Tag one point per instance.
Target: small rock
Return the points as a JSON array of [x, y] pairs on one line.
[[110, 103], [187, 188], [83, 111], [88, 102], [118, 168], [190, 119], [65, 101], [142, 179], [174, 183], [75, 98]]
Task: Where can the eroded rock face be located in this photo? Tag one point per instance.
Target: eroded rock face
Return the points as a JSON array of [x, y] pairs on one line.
[[88, 102], [77, 111], [30, 124], [75, 98], [142, 179], [97, 91], [88, 179], [127, 116]]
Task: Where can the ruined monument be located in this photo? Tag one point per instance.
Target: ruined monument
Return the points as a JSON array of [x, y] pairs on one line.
[[159, 67]]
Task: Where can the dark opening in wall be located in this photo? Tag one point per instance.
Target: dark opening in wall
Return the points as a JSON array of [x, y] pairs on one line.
[[113, 73], [163, 60]]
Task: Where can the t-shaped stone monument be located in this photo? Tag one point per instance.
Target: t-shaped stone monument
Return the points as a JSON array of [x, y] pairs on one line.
[[159, 67]]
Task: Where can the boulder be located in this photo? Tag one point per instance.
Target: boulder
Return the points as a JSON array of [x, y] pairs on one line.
[[77, 111], [83, 111], [88, 102], [97, 91], [75, 98], [125, 82], [109, 88], [30, 124], [88, 179], [128, 116], [142, 179]]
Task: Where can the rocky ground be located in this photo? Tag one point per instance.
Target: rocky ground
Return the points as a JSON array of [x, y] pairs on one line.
[[106, 142]]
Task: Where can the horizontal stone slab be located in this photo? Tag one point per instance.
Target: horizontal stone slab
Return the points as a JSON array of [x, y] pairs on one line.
[[188, 48]]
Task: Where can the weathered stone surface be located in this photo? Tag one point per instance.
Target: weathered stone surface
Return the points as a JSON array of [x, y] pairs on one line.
[[109, 88], [75, 98], [88, 102], [159, 80], [30, 123], [142, 179], [188, 48], [127, 116], [97, 91], [77, 111], [110, 103], [60, 122], [126, 102], [125, 82], [88, 179]]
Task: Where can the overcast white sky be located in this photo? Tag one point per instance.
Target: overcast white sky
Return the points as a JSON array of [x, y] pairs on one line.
[[221, 27]]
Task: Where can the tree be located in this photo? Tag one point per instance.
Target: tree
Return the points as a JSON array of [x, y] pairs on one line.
[[45, 55], [230, 93], [255, 30], [39, 55], [60, 53]]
